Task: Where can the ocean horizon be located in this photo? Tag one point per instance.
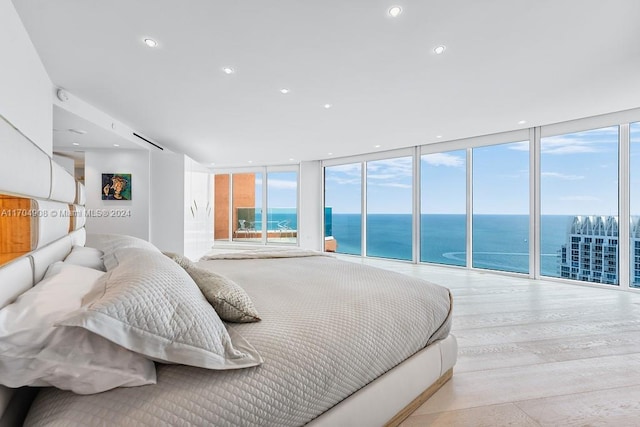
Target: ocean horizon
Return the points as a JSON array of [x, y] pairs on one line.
[[500, 242]]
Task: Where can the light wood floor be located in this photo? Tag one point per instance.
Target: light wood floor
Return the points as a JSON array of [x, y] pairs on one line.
[[535, 353]]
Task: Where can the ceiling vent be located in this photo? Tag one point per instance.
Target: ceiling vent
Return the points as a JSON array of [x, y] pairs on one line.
[[147, 141]]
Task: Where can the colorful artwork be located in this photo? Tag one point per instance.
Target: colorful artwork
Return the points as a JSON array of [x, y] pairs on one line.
[[116, 186]]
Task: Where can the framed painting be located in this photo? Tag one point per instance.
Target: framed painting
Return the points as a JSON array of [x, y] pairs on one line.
[[116, 186]]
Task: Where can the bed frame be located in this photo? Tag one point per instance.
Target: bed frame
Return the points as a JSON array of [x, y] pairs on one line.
[[390, 398], [27, 171]]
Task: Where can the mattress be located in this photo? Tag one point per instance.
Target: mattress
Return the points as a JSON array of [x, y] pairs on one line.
[[329, 327]]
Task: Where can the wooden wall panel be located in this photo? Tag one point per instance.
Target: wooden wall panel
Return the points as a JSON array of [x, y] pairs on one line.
[[15, 227], [221, 207]]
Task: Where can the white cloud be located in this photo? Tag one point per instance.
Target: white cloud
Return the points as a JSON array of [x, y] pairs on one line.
[[561, 176], [351, 168], [282, 184], [568, 149], [519, 146], [443, 159], [401, 166], [580, 199], [394, 185], [344, 180], [593, 141], [381, 176], [348, 174]]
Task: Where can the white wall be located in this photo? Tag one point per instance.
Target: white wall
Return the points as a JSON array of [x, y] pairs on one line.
[[25, 87], [311, 210], [135, 162], [66, 162], [167, 201], [198, 209]]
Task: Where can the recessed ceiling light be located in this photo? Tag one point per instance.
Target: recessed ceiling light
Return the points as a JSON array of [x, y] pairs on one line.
[[327, 106], [150, 42], [250, 161], [291, 160], [330, 154], [228, 70], [439, 50], [116, 145], [521, 122], [78, 131], [377, 146], [438, 136], [75, 143], [394, 11], [284, 91]]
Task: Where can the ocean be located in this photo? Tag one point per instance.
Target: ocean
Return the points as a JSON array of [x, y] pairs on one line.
[[500, 242]]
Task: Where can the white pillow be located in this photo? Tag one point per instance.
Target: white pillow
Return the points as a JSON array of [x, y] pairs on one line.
[[86, 257], [150, 305], [109, 243], [34, 352]]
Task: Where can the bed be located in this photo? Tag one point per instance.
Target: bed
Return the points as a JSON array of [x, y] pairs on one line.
[[338, 343]]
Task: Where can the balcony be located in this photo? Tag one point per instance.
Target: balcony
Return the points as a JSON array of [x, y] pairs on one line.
[[281, 225]]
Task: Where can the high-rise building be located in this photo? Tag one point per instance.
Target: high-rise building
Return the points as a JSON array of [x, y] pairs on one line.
[[591, 252]]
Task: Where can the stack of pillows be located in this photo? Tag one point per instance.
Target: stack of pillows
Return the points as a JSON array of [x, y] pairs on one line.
[[100, 318]]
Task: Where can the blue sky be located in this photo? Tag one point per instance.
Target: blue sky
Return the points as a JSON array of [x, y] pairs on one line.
[[579, 175], [282, 190]]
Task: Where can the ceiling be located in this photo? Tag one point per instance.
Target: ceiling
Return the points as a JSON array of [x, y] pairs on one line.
[[506, 61], [74, 133]]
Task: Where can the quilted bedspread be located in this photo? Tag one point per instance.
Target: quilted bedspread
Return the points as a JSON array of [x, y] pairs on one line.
[[329, 327]]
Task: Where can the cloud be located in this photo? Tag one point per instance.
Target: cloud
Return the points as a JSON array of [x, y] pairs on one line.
[[348, 174], [282, 184], [350, 168], [394, 185], [401, 166], [593, 141], [381, 176], [343, 180], [568, 149], [561, 176], [443, 159], [519, 146], [580, 199]]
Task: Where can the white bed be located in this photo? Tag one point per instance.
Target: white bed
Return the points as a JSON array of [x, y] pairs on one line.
[[387, 398]]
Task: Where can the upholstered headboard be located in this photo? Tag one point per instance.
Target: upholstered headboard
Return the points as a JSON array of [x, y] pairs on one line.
[[56, 215]]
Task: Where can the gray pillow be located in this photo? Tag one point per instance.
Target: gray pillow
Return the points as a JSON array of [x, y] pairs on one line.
[[109, 243], [149, 305], [231, 302], [86, 257]]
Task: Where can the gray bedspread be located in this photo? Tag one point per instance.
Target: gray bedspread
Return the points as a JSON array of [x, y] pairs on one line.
[[329, 328]]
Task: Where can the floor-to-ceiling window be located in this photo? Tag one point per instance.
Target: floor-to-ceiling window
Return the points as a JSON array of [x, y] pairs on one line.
[[501, 207], [239, 202], [579, 206], [343, 208], [389, 208], [443, 202], [282, 207], [568, 174], [247, 207], [634, 187]]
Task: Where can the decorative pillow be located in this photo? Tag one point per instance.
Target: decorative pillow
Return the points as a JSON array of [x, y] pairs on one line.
[[109, 243], [86, 257], [182, 260], [230, 301], [35, 353], [150, 305]]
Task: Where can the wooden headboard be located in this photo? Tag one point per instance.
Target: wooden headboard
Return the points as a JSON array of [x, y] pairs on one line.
[[56, 220]]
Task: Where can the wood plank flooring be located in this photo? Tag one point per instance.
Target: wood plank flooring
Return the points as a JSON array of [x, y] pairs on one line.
[[534, 353]]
